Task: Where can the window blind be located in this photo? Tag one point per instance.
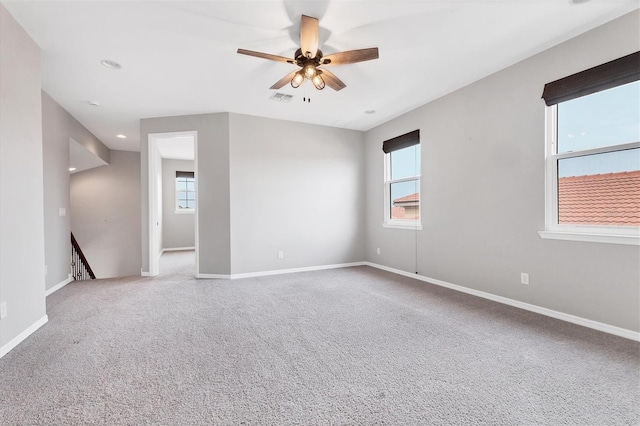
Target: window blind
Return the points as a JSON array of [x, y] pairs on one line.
[[403, 141], [184, 174], [606, 76]]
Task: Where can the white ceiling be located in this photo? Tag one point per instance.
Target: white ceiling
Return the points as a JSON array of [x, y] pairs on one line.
[[180, 57], [176, 147]]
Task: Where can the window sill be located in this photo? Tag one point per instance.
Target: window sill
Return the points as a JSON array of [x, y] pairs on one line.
[[412, 226], [633, 240], [184, 211]]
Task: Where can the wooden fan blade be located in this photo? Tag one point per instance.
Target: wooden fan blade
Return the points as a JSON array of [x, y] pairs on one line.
[[284, 80], [266, 56], [309, 28], [351, 56], [332, 81]]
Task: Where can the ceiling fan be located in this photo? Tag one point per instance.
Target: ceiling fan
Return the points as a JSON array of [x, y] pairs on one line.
[[309, 58]]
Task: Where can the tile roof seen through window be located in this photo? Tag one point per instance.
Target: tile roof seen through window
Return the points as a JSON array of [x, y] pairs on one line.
[[606, 199], [411, 198], [407, 207]]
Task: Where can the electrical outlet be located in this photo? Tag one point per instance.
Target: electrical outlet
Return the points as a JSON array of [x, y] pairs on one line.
[[378, 250], [280, 255], [3, 310], [524, 278]]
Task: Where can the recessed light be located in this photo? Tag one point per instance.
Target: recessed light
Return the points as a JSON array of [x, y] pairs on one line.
[[370, 111], [578, 1], [111, 64], [121, 136], [94, 103], [71, 169]]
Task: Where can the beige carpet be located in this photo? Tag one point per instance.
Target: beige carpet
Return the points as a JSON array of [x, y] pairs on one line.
[[348, 346]]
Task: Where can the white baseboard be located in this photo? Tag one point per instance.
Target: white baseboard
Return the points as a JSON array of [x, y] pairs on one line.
[[20, 337], [294, 270], [279, 271], [58, 286], [618, 331], [214, 276], [177, 249]]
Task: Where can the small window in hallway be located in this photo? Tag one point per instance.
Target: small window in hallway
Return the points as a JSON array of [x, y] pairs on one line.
[[185, 192]]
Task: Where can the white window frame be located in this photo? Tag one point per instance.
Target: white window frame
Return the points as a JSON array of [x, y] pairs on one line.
[[178, 210], [400, 223], [591, 233]]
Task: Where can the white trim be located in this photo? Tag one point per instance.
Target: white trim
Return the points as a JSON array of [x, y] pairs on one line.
[[280, 271], [403, 225], [184, 211], [600, 150], [551, 177], [214, 276], [58, 286], [633, 240], [617, 331], [154, 167], [294, 270], [144, 273], [196, 218], [178, 249], [406, 179], [22, 336]]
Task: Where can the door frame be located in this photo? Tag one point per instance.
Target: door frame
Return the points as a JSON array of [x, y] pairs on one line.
[[155, 196]]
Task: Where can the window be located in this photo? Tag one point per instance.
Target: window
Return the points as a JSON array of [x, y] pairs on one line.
[[593, 159], [402, 181], [185, 192]]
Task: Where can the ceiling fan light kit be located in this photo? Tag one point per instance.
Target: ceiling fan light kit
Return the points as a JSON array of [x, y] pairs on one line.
[[309, 58], [318, 82], [297, 80]]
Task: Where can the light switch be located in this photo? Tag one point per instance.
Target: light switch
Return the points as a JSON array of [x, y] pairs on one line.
[[62, 211]]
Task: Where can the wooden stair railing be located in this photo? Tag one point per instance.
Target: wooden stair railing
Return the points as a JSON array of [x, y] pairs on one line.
[[80, 268]]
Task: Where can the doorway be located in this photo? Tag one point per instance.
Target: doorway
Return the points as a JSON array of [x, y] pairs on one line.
[[173, 204]]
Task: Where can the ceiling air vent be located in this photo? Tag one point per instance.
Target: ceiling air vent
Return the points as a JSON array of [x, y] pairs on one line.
[[281, 97]]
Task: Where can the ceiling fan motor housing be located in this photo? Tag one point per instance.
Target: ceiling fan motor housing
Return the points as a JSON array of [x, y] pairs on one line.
[[302, 60]]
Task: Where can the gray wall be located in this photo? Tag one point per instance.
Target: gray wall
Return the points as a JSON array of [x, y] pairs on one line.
[[295, 188], [55, 141], [105, 215], [84, 137], [21, 190], [178, 229], [213, 185], [58, 126], [483, 165], [260, 192]]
